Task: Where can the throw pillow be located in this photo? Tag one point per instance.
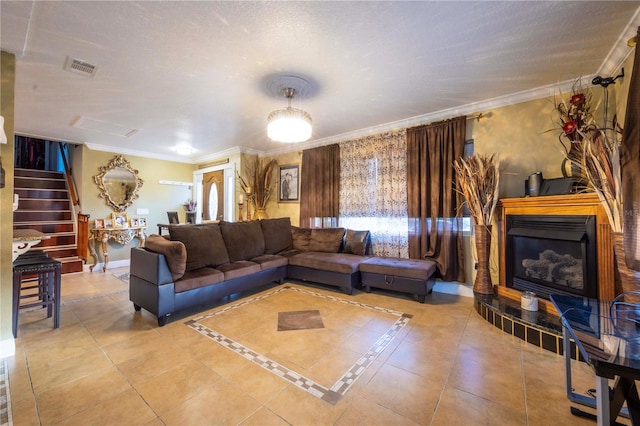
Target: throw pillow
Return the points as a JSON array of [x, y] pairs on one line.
[[357, 242], [328, 240], [244, 240], [174, 251], [277, 235], [300, 238], [204, 244]]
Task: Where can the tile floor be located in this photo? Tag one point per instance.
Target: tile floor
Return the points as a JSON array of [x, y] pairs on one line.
[[110, 365]]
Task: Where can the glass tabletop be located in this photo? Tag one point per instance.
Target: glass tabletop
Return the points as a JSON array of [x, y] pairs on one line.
[[607, 334]]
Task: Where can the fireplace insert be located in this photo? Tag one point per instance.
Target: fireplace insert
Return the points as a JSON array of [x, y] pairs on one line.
[[552, 254]]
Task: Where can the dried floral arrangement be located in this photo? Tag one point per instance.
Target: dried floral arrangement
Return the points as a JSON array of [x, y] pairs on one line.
[[575, 119], [601, 165], [261, 183], [478, 179]]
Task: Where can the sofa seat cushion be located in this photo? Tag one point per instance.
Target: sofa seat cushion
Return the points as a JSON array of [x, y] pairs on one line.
[[238, 269], [270, 261], [289, 253], [244, 240], [418, 269], [335, 262], [198, 278], [277, 235], [329, 240], [204, 244], [174, 252]]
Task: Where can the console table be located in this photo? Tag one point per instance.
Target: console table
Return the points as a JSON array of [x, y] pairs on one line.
[[119, 235], [608, 337]]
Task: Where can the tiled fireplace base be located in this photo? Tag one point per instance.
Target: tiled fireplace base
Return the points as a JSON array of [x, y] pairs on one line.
[[537, 328]]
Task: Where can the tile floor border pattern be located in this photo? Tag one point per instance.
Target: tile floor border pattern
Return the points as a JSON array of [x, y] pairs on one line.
[[343, 384], [5, 395]]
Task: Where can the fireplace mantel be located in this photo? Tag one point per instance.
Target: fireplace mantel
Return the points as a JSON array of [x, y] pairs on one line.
[[559, 205]]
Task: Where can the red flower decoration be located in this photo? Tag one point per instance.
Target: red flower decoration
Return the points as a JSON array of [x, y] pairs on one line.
[[569, 127], [578, 99]]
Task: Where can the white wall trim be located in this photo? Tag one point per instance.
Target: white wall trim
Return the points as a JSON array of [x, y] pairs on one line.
[[7, 348], [113, 264]]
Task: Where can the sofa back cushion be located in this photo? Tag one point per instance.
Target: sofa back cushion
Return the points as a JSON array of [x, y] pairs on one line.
[[328, 240], [300, 238], [277, 235], [174, 251], [204, 243], [357, 242], [244, 240]]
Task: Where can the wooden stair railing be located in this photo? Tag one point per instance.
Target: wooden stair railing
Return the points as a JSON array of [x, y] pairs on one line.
[[83, 236]]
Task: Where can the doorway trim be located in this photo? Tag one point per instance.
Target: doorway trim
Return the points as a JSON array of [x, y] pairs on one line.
[[229, 189]]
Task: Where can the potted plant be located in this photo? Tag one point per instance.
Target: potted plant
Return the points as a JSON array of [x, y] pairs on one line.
[[478, 179]]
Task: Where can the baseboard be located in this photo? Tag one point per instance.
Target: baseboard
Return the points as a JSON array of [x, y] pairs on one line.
[[113, 264], [7, 348]]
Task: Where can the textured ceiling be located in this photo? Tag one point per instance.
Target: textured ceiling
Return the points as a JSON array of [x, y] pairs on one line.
[[198, 73]]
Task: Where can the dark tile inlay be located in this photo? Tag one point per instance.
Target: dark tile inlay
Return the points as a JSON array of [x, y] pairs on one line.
[[533, 336], [518, 330], [299, 320], [549, 342], [507, 325]]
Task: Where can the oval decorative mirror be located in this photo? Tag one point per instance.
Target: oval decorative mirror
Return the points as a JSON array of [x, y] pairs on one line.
[[118, 183]]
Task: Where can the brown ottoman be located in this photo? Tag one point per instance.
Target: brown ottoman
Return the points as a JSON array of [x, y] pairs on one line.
[[412, 276]]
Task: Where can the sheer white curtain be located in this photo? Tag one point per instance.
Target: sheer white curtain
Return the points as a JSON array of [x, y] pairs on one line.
[[373, 190]]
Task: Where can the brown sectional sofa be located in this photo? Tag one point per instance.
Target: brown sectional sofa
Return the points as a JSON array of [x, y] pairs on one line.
[[199, 264]]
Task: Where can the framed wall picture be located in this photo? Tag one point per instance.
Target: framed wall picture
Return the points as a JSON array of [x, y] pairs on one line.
[[98, 223], [108, 223], [120, 220], [135, 222], [289, 183], [142, 221]]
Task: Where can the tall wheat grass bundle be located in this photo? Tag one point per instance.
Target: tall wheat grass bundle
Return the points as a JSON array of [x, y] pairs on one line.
[[601, 165], [478, 179], [261, 181]]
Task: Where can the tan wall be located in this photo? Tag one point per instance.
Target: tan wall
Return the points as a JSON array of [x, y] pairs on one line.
[[155, 197], [288, 209], [7, 92]]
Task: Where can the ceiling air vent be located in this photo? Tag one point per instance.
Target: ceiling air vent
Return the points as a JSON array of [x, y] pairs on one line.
[[80, 67]]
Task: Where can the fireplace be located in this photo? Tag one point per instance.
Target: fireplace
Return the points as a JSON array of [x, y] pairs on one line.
[[552, 254]]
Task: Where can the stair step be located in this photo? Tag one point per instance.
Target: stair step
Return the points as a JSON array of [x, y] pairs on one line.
[[38, 173], [41, 193], [34, 183], [65, 241], [32, 215], [43, 204]]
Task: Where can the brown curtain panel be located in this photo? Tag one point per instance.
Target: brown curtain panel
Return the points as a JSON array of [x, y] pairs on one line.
[[320, 186], [630, 159], [435, 233]]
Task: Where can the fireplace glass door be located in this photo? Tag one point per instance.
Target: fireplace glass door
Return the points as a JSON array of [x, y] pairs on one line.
[[552, 255]]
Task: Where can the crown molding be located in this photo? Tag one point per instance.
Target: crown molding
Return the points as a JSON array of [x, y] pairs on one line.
[[620, 50], [144, 154]]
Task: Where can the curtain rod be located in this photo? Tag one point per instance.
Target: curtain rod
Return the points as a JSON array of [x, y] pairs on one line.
[[476, 117]]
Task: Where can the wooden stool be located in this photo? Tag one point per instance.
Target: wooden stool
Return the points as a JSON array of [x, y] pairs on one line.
[[48, 272]]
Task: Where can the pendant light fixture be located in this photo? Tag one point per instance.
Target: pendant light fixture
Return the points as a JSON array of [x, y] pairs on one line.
[[289, 125]]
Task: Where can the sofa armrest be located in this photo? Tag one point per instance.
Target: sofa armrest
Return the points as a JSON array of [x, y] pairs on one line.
[[150, 266]]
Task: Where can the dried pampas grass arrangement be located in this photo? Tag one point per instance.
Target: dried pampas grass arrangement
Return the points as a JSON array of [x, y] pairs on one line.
[[261, 181], [478, 179], [601, 165]]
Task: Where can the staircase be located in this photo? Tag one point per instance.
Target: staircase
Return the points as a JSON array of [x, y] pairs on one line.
[[45, 205]]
